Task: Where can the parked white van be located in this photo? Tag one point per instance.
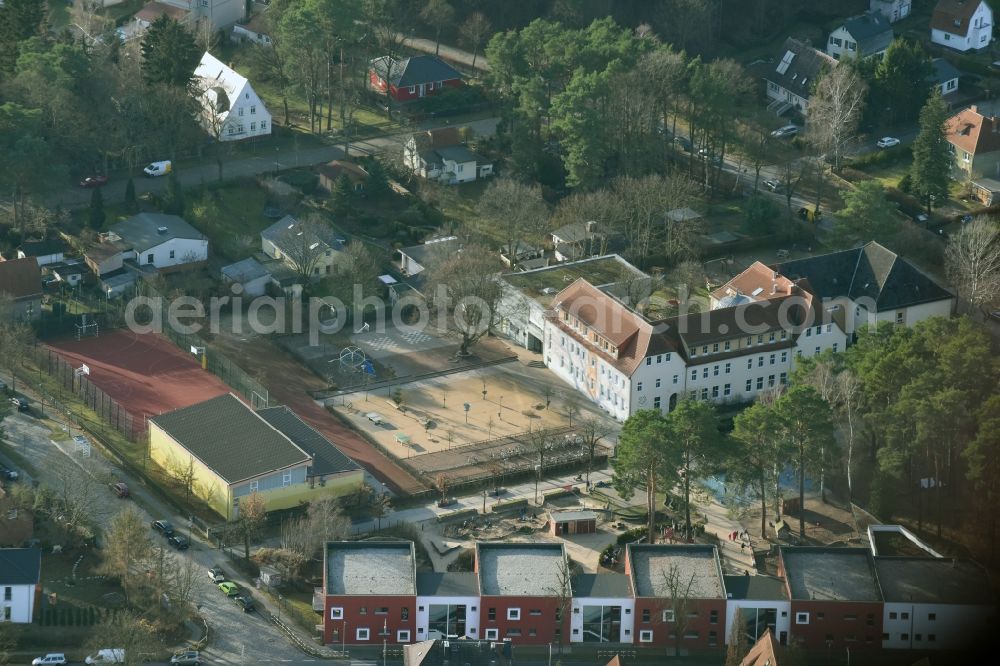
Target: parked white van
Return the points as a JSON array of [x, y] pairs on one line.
[[158, 168], [108, 656]]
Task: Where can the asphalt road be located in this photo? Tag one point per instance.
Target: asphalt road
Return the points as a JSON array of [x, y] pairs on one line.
[[236, 637], [267, 161]]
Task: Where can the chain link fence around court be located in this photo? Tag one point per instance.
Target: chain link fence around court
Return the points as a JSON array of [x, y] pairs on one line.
[[132, 426], [255, 393]]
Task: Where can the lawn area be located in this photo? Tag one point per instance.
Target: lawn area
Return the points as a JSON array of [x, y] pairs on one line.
[[459, 203], [232, 217]]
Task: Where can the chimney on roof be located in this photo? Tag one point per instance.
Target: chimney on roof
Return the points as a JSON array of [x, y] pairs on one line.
[[974, 108], [161, 230]]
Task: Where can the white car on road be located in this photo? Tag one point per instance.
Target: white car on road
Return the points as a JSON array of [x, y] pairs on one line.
[[887, 142]]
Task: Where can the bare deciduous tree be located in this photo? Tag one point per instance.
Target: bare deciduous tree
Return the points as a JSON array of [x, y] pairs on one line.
[[591, 432], [520, 210], [677, 591], [305, 243], [441, 483], [467, 282], [474, 31], [128, 548], [253, 513], [972, 259], [835, 111], [127, 631], [16, 339]]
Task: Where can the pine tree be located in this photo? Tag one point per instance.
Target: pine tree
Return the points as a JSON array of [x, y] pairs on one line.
[[96, 216], [173, 202], [932, 158], [378, 182], [169, 53], [130, 202], [343, 194]]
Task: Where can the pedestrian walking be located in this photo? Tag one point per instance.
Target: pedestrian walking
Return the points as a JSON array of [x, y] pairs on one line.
[[742, 546]]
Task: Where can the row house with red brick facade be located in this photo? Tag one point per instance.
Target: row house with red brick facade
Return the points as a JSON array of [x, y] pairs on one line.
[[670, 596], [370, 592], [680, 596], [525, 589], [835, 597]]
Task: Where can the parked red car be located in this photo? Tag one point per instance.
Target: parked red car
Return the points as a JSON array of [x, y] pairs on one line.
[[94, 181]]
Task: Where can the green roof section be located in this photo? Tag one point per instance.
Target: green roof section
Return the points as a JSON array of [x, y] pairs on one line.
[[230, 439], [549, 281]]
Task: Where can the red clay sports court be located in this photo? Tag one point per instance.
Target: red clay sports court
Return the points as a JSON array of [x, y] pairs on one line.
[[146, 374]]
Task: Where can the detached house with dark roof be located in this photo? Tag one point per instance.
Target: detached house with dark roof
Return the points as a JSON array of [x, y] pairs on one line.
[[20, 577], [411, 78], [164, 242], [235, 451], [440, 155], [790, 79], [962, 25], [861, 36]]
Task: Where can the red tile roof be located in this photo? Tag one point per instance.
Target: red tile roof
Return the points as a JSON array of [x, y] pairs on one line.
[[20, 278], [757, 276], [764, 652], [154, 10], [973, 132], [954, 15]]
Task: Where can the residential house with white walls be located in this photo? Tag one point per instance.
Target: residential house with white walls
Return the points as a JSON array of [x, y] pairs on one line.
[[865, 36], [164, 242], [230, 108], [20, 576], [791, 78], [962, 25], [892, 10]]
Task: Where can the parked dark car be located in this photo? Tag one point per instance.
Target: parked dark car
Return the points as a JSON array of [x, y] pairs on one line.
[[8, 474], [163, 526], [94, 181], [178, 542], [21, 404], [245, 601], [120, 489]]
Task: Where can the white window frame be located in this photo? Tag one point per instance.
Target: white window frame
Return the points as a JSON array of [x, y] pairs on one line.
[[402, 635], [492, 634], [513, 613], [362, 634], [668, 615], [801, 618], [646, 636], [336, 612], [286, 478], [254, 485]]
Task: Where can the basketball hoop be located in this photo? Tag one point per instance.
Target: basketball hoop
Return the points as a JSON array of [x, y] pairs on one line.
[[87, 328], [197, 351], [83, 370], [363, 329]]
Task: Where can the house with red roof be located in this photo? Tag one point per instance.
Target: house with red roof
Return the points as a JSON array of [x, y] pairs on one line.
[[975, 136]]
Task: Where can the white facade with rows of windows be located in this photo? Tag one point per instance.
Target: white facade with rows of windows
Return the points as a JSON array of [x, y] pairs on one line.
[[655, 367]]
